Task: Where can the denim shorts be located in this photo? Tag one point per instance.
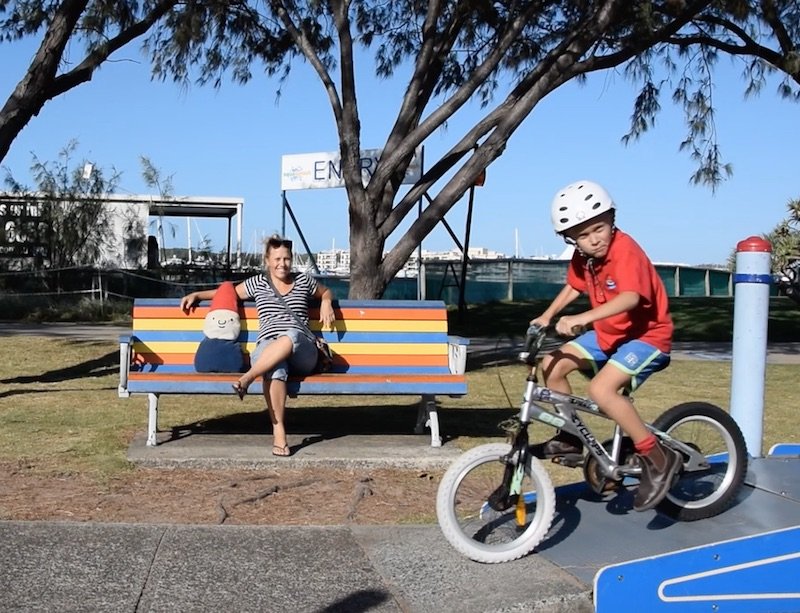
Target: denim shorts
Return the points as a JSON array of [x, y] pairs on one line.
[[635, 358], [301, 362]]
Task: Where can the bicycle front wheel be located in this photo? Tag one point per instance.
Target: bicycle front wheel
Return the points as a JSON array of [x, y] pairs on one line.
[[471, 524]]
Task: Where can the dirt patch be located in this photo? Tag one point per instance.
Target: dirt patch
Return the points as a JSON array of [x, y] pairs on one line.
[[245, 497]]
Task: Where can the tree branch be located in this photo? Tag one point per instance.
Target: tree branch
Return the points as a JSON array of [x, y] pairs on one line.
[[557, 68], [771, 17], [84, 71], [404, 149], [304, 44]]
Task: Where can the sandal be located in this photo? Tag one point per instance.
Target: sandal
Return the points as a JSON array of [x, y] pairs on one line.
[[241, 390], [281, 452]]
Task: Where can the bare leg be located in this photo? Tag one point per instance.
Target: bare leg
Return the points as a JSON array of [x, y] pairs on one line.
[[558, 365], [275, 394], [273, 354], [604, 390], [555, 368]]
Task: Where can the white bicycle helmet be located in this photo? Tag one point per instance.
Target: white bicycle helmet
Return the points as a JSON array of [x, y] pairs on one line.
[[578, 202]]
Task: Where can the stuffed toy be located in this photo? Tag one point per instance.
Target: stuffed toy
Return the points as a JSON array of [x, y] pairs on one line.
[[219, 351]]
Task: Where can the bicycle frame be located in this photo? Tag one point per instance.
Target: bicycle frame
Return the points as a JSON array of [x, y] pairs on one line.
[[565, 416]]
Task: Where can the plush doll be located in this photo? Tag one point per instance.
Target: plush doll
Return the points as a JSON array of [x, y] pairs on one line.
[[219, 351]]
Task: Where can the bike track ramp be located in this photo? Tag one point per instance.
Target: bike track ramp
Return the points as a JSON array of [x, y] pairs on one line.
[[664, 565]]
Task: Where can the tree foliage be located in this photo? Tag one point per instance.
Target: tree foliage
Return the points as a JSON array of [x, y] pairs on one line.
[[506, 54], [785, 238], [75, 224]]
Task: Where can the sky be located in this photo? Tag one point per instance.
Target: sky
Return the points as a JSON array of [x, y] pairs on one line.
[[228, 142]]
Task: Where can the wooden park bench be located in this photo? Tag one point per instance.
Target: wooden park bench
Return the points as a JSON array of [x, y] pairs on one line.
[[396, 347]]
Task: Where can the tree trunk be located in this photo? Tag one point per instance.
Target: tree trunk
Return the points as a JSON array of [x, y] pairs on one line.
[[366, 250]]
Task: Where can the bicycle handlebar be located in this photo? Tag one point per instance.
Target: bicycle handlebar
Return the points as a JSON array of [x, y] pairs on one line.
[[535, 337]]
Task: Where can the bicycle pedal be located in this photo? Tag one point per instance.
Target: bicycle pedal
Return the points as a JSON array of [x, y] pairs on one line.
[[570, 460]]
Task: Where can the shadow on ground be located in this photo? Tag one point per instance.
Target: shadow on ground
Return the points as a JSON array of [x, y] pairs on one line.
[[342, 421]]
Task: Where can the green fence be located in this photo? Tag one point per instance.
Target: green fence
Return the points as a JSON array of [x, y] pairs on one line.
[[486, 281], [510, 279]]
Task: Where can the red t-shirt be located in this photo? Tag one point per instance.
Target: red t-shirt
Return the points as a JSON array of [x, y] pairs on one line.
[[626, 268]]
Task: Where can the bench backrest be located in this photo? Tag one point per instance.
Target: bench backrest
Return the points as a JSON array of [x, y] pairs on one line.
[[370, 336]]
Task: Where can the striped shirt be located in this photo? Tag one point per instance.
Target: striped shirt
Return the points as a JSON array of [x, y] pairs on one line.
[[273, 320]]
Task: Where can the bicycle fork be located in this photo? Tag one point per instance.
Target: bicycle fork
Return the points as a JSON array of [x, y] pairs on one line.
[[509, 492]]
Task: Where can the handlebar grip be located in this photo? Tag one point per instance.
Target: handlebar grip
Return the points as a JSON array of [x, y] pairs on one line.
[[533, 330], [532, 336]]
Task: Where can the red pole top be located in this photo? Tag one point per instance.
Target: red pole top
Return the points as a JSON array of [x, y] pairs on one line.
[[754, 243]]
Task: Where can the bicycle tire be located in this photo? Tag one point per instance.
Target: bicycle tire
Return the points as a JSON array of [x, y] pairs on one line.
[[479, 532], [707, 427]]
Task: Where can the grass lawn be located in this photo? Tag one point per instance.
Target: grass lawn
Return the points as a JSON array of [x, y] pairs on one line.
[[60, 414]]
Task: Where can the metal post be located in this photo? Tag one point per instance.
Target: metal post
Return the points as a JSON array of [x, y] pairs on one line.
[[284, 204], [752, 280], [510, 281], [420, 279], [462, 303]]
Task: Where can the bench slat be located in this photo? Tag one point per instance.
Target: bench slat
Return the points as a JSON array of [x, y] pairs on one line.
[[317, 384], [351, 360], [340, 368], [340, 327], [340, 348], [347, 314]]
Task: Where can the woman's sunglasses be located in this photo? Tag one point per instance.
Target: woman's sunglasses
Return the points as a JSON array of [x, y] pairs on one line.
[[275, 243]]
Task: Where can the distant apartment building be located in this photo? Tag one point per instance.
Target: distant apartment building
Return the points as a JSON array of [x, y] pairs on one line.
[[337, 261]]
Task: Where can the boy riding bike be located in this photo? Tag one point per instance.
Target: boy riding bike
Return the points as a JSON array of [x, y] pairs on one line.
[[632, 329]]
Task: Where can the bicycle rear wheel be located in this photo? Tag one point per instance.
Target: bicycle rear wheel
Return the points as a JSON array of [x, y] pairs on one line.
[[470, 523], [699, 494]]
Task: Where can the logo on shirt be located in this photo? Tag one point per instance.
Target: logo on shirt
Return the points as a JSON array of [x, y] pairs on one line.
[[611, 284]]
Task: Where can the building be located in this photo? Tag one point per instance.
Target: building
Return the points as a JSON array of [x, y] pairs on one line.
[[130, 245]]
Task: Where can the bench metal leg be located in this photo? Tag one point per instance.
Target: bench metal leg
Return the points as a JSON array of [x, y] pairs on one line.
[[152, 419], [428, 417]]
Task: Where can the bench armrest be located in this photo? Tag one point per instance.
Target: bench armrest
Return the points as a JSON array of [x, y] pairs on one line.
[[124, 365], [457, 354]]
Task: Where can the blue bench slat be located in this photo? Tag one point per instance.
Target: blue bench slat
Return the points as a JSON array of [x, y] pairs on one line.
[[186, 336], [340, 386], [379, 389]]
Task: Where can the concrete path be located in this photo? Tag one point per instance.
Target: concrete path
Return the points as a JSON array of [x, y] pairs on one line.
[[125, 568]]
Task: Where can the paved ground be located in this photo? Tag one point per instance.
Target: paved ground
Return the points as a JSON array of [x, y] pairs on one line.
[[123, 568]]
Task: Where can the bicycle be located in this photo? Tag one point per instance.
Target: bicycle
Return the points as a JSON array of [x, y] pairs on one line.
[[496, 502]]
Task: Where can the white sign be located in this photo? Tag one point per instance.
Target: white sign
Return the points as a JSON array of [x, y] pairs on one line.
[[323, 170]]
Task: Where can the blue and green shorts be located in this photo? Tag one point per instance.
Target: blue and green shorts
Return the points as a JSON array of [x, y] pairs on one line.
[[635, 358]]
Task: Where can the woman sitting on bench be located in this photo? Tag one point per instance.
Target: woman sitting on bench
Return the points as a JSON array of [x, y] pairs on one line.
[[282, 345]]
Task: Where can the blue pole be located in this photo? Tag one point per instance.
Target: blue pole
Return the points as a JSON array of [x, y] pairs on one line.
[[752, 281]]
